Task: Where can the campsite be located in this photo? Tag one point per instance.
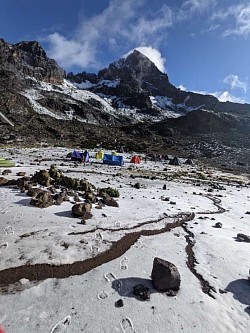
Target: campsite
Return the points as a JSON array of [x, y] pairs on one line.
[[89, 268]]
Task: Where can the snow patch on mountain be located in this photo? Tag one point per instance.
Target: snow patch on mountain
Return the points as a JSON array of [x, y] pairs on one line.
[[83, 85], [32, 95], [165, 103], [67, 88]]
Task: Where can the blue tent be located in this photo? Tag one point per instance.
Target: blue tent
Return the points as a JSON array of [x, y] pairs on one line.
[[76, 156], [113, 160]]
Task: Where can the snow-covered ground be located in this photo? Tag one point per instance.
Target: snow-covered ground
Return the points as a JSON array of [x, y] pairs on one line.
[[31, 237]]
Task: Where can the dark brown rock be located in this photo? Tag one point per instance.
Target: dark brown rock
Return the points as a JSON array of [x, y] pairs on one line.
[[6, 172], [34, 191], [21, 174], [142, 292], [42, 177], [82, 210], [3, 181], [243, 238], [119, 303], [58, 199], [165, 275], [42, 200], [109, 201], [218, 225]]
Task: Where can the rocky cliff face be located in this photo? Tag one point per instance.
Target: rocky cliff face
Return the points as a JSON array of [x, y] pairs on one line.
[[29, 58], [138, 74], [135, 79]]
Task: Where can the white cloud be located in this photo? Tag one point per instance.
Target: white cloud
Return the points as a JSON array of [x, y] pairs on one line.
[[225, 96], [120, 26], [148, 27], [235, 82], [240, 14], [192, 7], [69, 52], [212, 28], [153, 54], [183, 88]]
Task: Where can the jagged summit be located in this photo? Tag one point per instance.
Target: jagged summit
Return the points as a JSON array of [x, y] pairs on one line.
[[29, 58], [138, 72]]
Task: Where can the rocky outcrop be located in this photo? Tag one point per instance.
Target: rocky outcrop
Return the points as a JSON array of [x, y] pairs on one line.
[[138, 74], [29, 59], [82, 77], [204, 121]]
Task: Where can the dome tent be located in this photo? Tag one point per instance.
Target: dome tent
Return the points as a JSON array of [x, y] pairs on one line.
[[174, 161], [135, 159]]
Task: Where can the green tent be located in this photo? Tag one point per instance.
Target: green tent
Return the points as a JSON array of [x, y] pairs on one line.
[[6, 163]]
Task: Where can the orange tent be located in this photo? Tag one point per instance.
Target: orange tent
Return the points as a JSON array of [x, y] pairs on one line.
[[135, 159]]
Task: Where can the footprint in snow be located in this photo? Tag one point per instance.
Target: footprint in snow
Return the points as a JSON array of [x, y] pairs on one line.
[[94, 250], [116, 283], [6, 210], [98, 238], [62, 325], [127, 325], [9, 230], [123, 263], [3, 246], [18, 216], [110, 277], [102, 295]]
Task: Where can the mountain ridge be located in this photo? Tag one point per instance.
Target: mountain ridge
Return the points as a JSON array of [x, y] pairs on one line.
[[130, 100]]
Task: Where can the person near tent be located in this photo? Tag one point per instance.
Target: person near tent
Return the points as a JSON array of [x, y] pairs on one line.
[[85, 157]]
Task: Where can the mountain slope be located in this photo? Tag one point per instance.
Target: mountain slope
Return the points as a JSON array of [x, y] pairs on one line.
[[130, 100]]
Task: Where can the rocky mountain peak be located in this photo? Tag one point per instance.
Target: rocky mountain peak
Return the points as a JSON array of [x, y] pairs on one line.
[[140, 63], [137, 72], [29, 59], [32, 47]]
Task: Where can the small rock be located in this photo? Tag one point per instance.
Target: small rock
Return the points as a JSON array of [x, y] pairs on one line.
[[119, 303], [99, 205], [142, 292], [58, 199], [109, 201], [3, 181], [248, 212], [218, 225], [21, 174], [6, 172], [222, 291], [243, 238], [137, 185], [164, 187]]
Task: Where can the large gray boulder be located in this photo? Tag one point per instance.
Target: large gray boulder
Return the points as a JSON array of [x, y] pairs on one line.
[[165, 276]]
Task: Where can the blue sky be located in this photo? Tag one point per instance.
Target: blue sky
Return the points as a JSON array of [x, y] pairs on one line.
[[203, 45]]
